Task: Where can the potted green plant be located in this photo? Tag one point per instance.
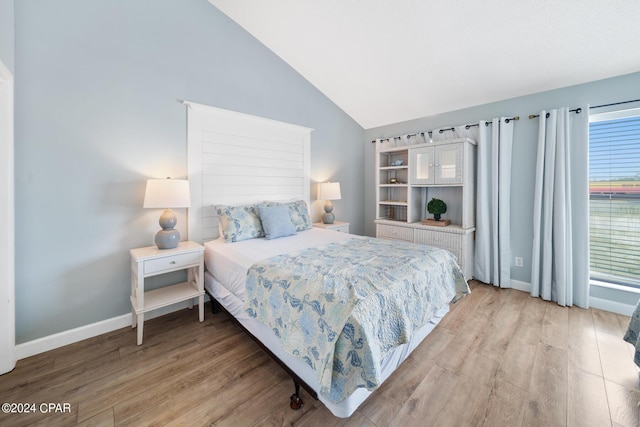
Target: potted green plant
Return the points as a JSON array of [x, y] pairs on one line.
[[436, 207]]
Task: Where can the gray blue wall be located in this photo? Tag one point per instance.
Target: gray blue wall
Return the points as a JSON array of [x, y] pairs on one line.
[[97, 85], [524, 149], [97, 114], [6, 33]]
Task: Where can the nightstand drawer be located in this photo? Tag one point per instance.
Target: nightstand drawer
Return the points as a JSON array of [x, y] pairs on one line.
[[174, 262], [341, 228]]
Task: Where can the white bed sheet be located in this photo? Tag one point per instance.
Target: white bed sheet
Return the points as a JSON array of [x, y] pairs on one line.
[[228, 264]]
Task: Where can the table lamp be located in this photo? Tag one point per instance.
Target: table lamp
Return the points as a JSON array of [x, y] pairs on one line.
[[167, 193], [329, 191]]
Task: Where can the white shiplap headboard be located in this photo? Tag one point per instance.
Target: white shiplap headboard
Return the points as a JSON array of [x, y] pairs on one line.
[[235, 158]]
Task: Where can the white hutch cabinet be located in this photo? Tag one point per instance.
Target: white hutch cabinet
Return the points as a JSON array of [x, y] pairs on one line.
[[408, 177]]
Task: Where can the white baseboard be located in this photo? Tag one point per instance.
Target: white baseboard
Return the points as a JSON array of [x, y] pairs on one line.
[[41, 345], [612, 306], [521, 286]]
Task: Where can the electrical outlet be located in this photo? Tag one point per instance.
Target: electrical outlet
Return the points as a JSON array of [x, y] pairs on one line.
[[519, 261]]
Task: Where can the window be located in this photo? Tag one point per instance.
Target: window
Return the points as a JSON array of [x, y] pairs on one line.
[[614, 197]]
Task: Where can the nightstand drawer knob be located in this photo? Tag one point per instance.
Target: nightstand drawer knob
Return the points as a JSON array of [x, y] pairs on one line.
[[172, 262]]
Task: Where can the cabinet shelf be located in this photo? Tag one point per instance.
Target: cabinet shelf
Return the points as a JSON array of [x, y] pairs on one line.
[[434, 185], [387, 168]]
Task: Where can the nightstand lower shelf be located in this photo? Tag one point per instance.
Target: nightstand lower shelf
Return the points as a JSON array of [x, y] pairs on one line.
[[168, 295], [163, 297]]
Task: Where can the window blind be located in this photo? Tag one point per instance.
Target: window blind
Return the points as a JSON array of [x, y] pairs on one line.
[[614, 206]]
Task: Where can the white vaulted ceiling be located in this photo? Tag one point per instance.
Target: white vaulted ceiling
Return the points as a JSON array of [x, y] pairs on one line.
[[387, 61]]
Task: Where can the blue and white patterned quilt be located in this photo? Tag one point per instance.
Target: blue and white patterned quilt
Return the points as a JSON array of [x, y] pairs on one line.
[[632, 335], [342, 307]]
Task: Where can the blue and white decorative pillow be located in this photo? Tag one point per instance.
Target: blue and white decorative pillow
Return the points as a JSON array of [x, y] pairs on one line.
[[300, 215], [298, 212], [240, 222]]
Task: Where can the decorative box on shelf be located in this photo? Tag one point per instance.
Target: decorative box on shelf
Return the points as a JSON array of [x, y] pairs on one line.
[[438, 223]]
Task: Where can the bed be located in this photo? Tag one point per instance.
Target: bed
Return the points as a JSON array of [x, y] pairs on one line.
[[311, 297], [632, 335]]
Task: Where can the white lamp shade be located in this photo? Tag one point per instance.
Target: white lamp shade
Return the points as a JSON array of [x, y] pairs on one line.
[[167, 193], [329, 191]]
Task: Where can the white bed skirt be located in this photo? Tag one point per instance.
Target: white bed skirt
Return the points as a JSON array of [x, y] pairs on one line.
[[342, 409]]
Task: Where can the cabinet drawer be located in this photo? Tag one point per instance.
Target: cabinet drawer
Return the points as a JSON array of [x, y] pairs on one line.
[[440, 239], [395, 233], [170, 263]]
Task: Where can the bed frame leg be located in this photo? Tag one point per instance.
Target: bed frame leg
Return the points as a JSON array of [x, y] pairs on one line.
[[214, 304], [296, 401]]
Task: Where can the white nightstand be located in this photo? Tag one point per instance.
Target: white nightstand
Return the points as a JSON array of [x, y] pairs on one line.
[[341, 226], [151, 261]]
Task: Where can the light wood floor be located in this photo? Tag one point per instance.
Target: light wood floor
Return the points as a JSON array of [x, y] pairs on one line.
[[500, 358]]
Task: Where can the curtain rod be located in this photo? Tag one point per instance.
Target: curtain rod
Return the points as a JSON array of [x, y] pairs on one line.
[[487, 123], [579, 110], [533, 116], [409, 135], [393, 138], [616, 103]]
